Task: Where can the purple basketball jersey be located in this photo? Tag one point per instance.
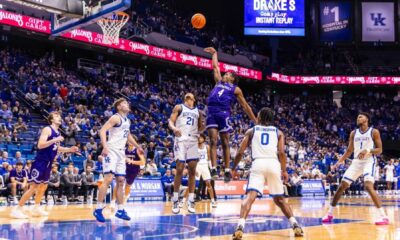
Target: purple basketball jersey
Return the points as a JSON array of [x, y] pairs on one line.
[[221, 98], [131, 170], [48, 154]]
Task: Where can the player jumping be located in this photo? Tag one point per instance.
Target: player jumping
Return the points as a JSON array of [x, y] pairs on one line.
[[365, 142], [219, 111], [269, 163]]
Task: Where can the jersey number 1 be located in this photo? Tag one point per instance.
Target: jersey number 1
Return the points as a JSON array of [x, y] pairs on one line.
[[264, 139]]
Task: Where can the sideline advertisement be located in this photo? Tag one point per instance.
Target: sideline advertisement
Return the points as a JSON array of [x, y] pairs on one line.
[[234, 188], [147, 188]]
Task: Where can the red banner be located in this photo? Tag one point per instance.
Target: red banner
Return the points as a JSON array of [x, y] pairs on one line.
[[233, 188], [354, 80], [43, 26]]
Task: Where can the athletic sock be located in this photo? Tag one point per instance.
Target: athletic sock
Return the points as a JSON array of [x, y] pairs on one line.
[[191, 197], [120, 207], [331, 209], [242, 222], [292, 221], [382, 212], [100, 205], [183, 200], [175, 197], [227, 169]]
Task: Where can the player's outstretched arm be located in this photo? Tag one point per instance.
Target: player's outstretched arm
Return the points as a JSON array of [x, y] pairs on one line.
[[73, 149], [142, 159], [243, 146], [43, 143], [282, 156], [215, 64], [172, 120], [113, 121], [201, 126], [246, 107]]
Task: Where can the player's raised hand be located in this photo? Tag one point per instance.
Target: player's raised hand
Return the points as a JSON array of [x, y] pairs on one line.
[[177, 132], [210, 50], [75, 149]]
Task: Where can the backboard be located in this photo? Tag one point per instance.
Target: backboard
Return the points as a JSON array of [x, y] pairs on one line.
[[93, 10]]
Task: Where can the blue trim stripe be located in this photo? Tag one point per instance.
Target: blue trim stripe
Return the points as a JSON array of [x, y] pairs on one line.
[[108, 172], [351, 180], [277, 195], [120, 175], [373, 167], [259, 194]]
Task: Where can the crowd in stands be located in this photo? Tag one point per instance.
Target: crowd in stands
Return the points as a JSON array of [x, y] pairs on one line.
[[316, 128]]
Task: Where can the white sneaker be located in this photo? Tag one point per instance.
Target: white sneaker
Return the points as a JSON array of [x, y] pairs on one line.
[[175, 207], [213, 204], [181, 203], [39, 212], [18, 214], [191, 207]]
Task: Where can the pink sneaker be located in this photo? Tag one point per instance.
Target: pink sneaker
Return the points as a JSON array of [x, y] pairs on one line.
[[327, 219], [382, 221]]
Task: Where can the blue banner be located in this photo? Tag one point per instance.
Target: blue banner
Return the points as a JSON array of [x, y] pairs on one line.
[[147, 188], [274, 17], [312, 187], [335, 21]]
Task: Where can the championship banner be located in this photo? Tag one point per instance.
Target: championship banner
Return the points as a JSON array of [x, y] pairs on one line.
[[147, 188], [233, 188], [335, 21], [274, 17], [89, 37], [313, 187], [378, 22], [340, 80]]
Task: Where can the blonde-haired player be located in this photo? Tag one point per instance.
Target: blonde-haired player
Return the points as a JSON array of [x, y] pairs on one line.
[[114, 164]]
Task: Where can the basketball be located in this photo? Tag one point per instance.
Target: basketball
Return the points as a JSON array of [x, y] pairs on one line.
[[198, 21]]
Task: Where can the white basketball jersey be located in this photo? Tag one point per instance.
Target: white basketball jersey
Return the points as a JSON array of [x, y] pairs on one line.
[[265, 142], [188, 123], [389, 170], [203, 157], [363, 141], [118, 135]]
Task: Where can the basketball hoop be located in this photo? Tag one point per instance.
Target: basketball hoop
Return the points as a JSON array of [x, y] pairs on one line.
[[111, 26]]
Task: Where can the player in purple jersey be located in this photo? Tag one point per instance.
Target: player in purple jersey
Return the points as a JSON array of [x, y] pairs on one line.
[[134, 160], [219, 111], [48, 148]]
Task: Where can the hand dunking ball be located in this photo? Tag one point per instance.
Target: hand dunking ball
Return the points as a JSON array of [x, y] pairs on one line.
[[198, 21]]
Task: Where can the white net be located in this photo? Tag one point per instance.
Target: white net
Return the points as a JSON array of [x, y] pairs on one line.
[[111, 26]]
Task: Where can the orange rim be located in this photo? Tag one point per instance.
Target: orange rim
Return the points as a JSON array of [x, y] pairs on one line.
[[115, 20]]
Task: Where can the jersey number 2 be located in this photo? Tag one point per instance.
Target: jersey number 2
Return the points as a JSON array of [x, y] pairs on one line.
[[126, 132], [264, 139]]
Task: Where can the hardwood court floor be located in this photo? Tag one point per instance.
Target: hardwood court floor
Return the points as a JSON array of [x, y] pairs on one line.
[[154, 220]]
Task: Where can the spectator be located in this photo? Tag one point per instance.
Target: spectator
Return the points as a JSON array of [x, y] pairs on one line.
[[69, 186], [152, 169], [168, 182], [5, 112], [15, 139], [18, 181], [54, 182], [91, 145], [4, 157], [89, 184], [20, 126]]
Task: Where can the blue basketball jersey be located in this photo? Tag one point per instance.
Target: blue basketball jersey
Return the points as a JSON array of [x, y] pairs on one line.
[[48, 154], [221, 97]]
